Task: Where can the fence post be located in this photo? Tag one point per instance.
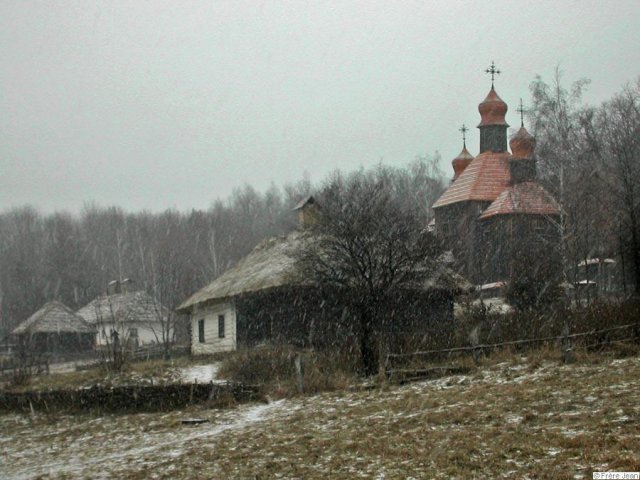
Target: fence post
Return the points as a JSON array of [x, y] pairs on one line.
[[566, 344], [474, 340], [387, 360], [300, 373]]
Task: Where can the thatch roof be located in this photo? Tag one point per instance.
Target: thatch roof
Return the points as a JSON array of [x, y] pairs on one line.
[[272, 264], [122, 307], [54, 317]]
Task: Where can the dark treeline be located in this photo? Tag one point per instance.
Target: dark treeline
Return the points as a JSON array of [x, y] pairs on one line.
[[71, 258]]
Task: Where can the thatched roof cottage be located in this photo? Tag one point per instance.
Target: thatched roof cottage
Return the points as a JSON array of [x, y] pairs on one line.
[[55, 329], [265, 298]]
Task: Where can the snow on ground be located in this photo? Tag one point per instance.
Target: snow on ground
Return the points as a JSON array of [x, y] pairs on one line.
[[111, 443], [511, 417], [200, 374], [67, 367]]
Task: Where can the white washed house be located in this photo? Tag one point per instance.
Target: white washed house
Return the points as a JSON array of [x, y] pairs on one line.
[[137, 317]]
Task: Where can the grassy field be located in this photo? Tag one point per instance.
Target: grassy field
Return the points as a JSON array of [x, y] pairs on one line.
[[521, 418]]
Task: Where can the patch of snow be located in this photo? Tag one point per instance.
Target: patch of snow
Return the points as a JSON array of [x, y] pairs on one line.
[[201, 374], [514, 418], [68, 367], [568, 432], [623, 419]]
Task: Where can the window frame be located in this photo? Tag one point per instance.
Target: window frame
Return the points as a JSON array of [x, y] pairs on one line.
[[221, 326], [201, 336]]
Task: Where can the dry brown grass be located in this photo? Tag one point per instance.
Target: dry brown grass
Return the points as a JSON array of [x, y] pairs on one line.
[[515, 418], [552, 422], [273, 368]]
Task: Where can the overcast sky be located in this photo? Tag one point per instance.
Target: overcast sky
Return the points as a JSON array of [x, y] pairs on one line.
[[172, 104]]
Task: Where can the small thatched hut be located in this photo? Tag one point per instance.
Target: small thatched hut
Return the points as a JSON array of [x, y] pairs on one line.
[[264, 298], [55, 329]]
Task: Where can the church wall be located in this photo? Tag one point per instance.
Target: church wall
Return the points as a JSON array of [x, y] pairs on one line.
[[456, 224], [504, 239]]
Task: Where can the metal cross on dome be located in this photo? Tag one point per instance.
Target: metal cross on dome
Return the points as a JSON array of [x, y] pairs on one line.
[[521, 109], [464, 130], [493, 71]]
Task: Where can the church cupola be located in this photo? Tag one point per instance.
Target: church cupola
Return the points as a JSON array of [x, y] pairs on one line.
[[493, 126], [463, 160], [522, 164], [522, 144]]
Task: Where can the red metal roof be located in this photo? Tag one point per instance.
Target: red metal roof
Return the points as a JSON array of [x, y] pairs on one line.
[[484, 179], [526, 197]]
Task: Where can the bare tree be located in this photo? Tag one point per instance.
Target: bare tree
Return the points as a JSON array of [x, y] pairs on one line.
[[370, 242], [619, 127], [166, 283], [555, 116], [112, 325]]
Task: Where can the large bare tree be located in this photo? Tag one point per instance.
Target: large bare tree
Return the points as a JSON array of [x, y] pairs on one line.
[[370, 241]]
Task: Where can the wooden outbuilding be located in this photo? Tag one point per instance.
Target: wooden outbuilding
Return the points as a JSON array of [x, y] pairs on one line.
[[55, 329]]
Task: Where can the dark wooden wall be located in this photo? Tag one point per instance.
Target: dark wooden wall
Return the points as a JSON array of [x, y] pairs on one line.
[[456, 224], [503, 240], [307, 318]]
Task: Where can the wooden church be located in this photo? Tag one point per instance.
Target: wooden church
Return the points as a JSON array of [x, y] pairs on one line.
[[495, 213]]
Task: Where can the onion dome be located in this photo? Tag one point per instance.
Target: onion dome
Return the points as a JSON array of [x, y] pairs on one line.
[[461, 162], [492, 110], [522, 144]]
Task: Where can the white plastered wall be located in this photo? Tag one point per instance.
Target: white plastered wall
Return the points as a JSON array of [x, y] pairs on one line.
[[146, 332], [212, 341]]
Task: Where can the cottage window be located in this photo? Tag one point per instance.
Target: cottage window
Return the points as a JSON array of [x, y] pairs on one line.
[[221, 326], [201, 330]]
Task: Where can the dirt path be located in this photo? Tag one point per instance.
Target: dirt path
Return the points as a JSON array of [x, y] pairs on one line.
[[127, 443]]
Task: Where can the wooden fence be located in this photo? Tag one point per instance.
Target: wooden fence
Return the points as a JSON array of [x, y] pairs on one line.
[[155, 351], [29, 365], [396, 363]]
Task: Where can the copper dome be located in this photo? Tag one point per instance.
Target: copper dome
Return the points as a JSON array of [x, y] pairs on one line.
[[522, 144], [492, 110], [461, 162]]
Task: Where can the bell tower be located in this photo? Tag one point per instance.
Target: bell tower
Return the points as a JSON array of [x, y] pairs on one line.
[[493, 126]]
